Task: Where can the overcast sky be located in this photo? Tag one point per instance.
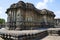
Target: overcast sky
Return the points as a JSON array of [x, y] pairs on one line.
[[53, 5]]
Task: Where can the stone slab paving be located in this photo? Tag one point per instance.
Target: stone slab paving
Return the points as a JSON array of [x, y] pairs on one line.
[[52, 38], [1, 38]]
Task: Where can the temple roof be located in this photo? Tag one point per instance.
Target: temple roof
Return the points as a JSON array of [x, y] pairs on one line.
[[30, 5], [23, 5], [19, 4], [45, 11]]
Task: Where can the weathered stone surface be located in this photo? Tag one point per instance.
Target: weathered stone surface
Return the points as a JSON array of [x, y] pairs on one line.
[[51, 38], [1, 38], [26, 16], [23, 35]]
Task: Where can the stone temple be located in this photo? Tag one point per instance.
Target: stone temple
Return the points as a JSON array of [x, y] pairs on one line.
[[25, 21], [25, 16]]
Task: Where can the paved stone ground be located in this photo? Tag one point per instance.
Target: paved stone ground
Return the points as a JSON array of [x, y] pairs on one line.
[[52, 38], [1, 38]]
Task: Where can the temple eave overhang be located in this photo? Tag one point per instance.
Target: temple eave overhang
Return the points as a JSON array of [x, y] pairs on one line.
[[29, 6]]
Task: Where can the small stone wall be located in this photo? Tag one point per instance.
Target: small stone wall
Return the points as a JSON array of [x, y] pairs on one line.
[[36, 36], [54, 31]]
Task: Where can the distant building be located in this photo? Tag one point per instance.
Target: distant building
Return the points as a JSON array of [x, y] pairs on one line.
[[2, 26], [25, 16], [2, 23], [57, 22]]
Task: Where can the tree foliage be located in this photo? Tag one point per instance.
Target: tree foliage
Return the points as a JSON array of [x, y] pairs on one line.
[[2, 21]]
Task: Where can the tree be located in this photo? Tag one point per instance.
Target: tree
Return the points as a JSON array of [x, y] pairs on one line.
[[2, 21]]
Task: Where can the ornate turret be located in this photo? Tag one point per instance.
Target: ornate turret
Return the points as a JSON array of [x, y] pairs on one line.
[[19, 4], [47, 12], [30, 6]]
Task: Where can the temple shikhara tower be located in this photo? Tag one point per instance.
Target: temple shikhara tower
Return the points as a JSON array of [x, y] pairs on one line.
[[22, 16]]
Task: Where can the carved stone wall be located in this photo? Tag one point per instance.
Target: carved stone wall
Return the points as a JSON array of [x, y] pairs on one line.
[[21, 15]]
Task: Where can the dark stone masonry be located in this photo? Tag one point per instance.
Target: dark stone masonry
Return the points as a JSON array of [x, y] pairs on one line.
[[26, 22], [25, 16]]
